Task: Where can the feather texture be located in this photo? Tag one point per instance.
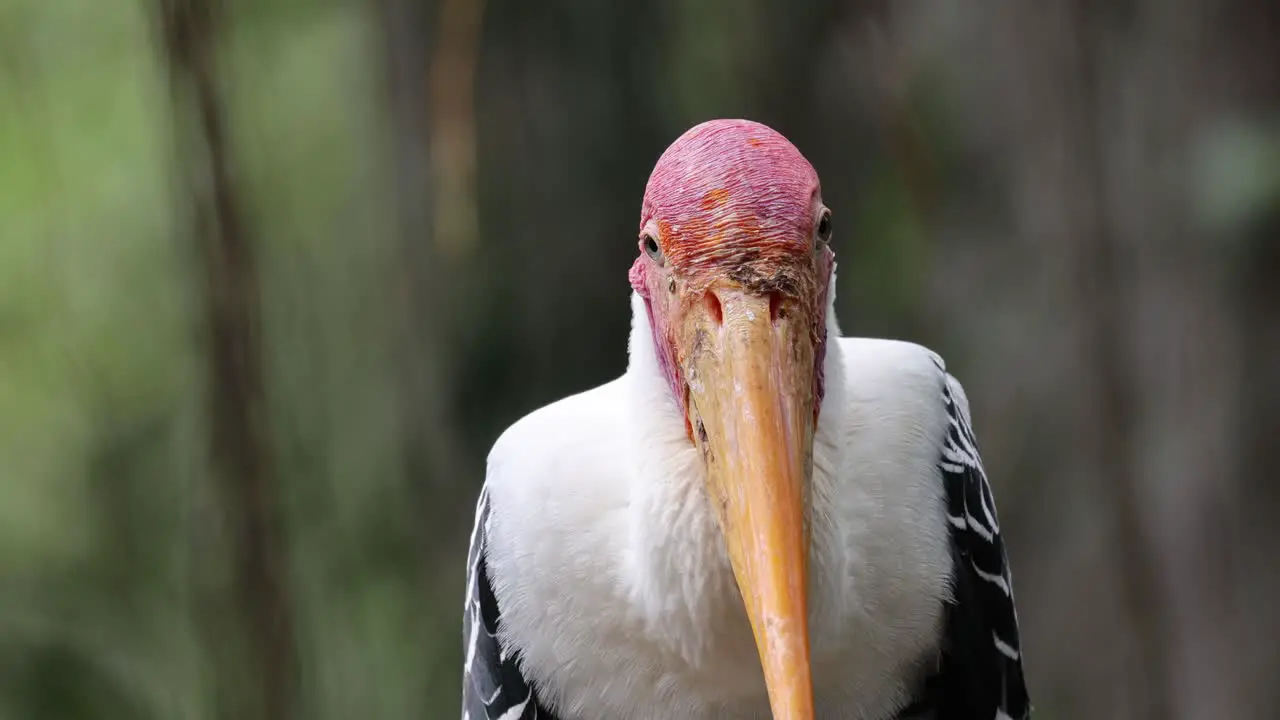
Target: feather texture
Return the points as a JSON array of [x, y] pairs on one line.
[[980, 668], [494, 688], [597, 585]]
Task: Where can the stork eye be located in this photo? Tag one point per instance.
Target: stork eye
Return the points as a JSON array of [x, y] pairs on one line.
[[824, 226], [650, 244]]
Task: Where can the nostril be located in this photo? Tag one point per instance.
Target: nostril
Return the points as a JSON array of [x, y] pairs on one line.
[[714, 309], [775, 307]]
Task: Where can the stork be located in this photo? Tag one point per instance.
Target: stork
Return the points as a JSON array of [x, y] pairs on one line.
[[759, 518]]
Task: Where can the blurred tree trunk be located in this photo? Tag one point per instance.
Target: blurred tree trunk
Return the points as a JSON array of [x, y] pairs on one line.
[[262, 664], [1062, 176], [431, 158], [1259, 502], [1100, 110], [434, 463], [1213, 391], [431, 52], [453, 125], [1100, 269]]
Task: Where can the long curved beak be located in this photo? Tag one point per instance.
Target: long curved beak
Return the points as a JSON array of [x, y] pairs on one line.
[[751, 410]]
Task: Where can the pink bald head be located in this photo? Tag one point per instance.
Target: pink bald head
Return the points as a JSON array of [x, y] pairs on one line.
[[731, 195], [731, 202]]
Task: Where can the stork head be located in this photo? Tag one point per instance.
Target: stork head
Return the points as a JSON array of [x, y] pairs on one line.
[[734, 268]]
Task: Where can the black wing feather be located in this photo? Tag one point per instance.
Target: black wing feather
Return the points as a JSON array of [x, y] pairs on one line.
[[980, 674], [493, 688]]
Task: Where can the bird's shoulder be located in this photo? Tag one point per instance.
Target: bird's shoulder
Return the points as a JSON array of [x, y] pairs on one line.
[[554, 479], [528, 501], [557, 441], [581, 411], [890, 402], [555, 484], [904, 404], [876, 464], [902, 387], [909, 389], [897, 369]]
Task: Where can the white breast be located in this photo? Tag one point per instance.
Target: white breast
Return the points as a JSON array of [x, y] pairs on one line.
[[613, 582]]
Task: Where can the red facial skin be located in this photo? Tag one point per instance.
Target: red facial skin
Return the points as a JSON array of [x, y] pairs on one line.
[[732, 202]]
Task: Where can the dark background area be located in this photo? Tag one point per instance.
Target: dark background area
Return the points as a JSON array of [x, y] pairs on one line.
[[274, 274]]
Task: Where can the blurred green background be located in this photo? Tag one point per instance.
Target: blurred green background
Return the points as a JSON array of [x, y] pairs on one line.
[[274, 274]]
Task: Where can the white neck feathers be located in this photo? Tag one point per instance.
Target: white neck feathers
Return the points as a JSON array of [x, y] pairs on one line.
[[678, 572]]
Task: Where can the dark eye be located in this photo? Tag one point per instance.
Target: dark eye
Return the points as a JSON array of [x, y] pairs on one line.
[[651, 247], [824, 226]]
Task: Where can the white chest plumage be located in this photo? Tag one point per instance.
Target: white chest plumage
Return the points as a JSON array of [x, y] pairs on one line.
[[613, 580]]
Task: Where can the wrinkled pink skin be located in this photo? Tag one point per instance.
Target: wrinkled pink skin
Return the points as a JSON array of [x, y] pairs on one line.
[[733, 202]]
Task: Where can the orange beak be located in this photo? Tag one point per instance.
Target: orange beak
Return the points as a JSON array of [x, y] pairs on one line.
[[751, 409]]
